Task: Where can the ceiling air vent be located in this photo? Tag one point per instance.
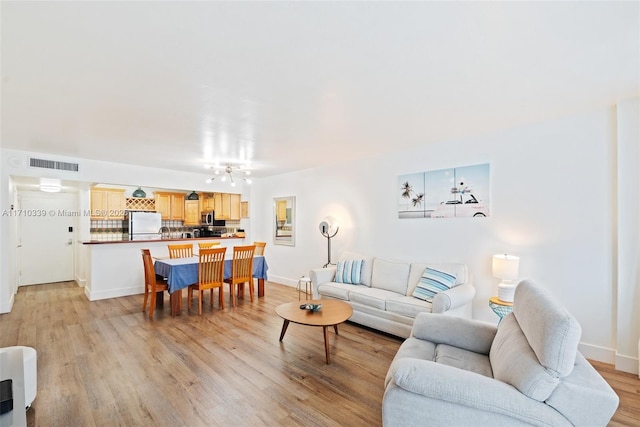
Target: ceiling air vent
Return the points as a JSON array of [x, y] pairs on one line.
[[52, 164]]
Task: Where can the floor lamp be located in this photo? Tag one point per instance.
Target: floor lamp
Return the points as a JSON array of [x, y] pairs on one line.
[[328, 228]]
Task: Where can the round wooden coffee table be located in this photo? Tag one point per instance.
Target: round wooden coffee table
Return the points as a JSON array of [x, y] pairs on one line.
[[332, 313]]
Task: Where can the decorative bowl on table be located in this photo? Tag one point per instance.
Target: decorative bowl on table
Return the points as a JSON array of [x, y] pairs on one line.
[[312, 307]]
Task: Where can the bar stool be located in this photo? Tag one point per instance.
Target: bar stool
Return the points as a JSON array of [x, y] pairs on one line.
[[306, 282]]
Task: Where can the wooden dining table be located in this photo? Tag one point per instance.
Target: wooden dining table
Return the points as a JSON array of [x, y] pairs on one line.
[[182, 272]]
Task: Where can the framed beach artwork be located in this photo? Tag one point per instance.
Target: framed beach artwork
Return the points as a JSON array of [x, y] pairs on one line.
[[445, 193]]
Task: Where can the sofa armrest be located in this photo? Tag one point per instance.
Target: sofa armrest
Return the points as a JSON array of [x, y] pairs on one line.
[[451, 385], [321, 275], [452, 298], [468, 334]]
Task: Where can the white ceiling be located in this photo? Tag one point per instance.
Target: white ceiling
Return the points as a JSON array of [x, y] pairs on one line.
[[293, 85]]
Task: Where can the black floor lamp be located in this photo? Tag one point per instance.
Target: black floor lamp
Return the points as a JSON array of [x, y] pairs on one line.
[[329, 229]]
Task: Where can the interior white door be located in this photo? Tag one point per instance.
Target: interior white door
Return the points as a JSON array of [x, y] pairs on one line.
[[45, 237]]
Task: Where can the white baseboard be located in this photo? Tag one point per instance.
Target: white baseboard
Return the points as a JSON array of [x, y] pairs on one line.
[[113, 293], [81, 282], [597, 353], [608, 355], [283, 280], [627, 364]]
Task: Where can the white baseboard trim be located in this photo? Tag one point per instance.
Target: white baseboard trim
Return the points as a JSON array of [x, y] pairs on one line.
[[597, 353], [7, 307], [626, 364], [609, 355], [113, 293], [283, 281], [81, 282]]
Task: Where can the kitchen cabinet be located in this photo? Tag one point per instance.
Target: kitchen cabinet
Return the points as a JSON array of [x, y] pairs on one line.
[[107, 203], [170, 205], [207, 202], [281, 210], [227, 206], [192, 212], [234, 208]]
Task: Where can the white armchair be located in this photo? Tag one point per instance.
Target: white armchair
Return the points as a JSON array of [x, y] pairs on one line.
[[526, 371]]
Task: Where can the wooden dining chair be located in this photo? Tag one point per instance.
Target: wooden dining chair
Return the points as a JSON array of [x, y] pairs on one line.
[[241, 271], [259, 247], [180, 251], [210, 276], [152, 284], [207, 245]]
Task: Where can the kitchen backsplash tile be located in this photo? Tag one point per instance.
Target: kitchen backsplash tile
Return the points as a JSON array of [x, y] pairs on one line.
[[111, 230]]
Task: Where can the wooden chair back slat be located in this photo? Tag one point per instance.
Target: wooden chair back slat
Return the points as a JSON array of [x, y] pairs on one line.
[[207, 245], [259, 247], [180, 251], [211, 266]]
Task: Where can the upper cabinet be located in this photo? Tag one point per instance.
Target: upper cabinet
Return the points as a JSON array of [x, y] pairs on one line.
[[227, 206], [107, 203], [191, 212], [207, 202], [170, 205]]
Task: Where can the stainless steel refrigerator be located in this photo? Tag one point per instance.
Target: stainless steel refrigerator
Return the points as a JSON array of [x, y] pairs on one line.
[[143, 225]]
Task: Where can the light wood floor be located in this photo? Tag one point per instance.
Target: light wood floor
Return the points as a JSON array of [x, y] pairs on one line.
[[105, 363]]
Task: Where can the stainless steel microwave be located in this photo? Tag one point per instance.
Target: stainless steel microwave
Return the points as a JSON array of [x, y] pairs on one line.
[[209, 218]]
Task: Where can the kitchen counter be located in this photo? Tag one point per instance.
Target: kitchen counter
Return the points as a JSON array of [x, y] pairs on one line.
[[173, 239], [114, 268]]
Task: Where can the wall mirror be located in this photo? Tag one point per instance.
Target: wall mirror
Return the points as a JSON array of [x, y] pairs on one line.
[[284, 215]]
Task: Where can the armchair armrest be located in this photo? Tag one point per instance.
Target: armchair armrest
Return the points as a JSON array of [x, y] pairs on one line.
[[321, 275], [452, 298], [467, 334], [448, 385]]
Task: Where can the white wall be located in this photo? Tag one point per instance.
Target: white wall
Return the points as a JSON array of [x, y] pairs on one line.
[[552, 204]]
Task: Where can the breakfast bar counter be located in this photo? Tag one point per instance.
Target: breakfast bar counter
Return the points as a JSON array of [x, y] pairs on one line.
[[114, 268]]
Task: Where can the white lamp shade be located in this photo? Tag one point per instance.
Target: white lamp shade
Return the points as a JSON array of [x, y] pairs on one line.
[[505, 267]]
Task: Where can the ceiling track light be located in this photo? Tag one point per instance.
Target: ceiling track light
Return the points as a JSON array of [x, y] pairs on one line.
[[228, 172]]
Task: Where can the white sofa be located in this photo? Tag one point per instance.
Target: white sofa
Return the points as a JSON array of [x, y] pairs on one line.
[[383, 300]]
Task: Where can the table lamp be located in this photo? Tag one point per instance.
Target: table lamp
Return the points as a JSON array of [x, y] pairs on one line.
[[505, 267]]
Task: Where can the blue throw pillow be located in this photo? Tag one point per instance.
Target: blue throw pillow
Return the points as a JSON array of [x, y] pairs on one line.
[[349, 272], [432, 282]]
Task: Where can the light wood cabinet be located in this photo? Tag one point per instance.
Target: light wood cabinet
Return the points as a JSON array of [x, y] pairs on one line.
[[192, 212], [207, 202], [234, 207], [227, 206], [281, 210], [107, 203], [218, 206], [170, 205]]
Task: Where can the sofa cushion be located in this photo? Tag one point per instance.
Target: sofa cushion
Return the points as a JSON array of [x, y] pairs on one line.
[[367, 265], [554, 341], [372, 297], [432, 282], [514, 362], [390, 275], [407, 306], [335, 290], [463, 359], [349, 271]]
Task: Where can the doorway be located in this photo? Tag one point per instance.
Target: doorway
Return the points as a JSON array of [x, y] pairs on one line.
[[46, 225]]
